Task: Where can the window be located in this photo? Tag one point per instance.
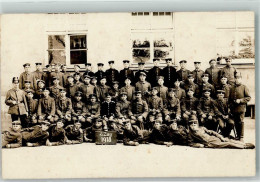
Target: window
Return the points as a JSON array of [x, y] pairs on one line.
[[152, 36], [67, 49], [235, 36]]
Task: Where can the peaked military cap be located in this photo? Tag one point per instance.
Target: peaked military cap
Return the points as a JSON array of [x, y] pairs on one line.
[[15, 80], [26, 64], [111, 62], [183, 61]]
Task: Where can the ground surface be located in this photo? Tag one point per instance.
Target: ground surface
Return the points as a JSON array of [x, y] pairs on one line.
[[90, 160]]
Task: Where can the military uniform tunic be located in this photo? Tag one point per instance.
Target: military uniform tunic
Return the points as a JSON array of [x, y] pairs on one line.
[[74, 135], [13, 138], [26, 76], [197, 74], [170, 76]]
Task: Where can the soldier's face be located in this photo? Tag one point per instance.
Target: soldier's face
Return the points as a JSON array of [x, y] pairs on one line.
[[127, 82], [157, 126], [88, 67], [197, 66], [177, 84], [46, 93], [138, 96], [183, 65], [111, 65], [77, 125], [30, 95], [205, 79], [93, 99], [239, 80], [190, 93], [60, 124], [45, 127], [103, 81], [16, 127], [41, 85], [78, 98], [100, 68], [141, 67], [87, 80], [194, 126], [94, 81], [76, 68], [156, 63], [108, 98], [174, 126], [27, 68], [63, 94], [191, 80], [169, 63], [128, 126], [56, 82], [207, 94], [15, 85], [220, 96], [223, 80], [70, 80], [115, 86], [98, 124], [123, 97], [213, 64], [171, 94], [228, 62], [160, 81], [154, 92], [39, 67], [142, 78], [77, 77], [126, 65], [27, 85]]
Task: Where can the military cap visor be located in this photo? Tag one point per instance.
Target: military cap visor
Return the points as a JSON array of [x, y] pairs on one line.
[[183, 61], [26, 64], [88, 64], [111, 62], [138, 92], [190, 76], [62, 90], [141, 63], [156, 60], [27, 81], [87, 76], [205, 75], [220, 91], [54, 78], [197, 62], [16, 122], [15, 80], [161, 77], [171, 90], [126, 61], [123, 93], [115, 82], [142, 73], [168, 59], [38, 63], [212, 60], [94, 78], [100, 64]]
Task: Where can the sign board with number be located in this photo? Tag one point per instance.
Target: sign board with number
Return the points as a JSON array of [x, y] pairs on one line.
[[106, 137]]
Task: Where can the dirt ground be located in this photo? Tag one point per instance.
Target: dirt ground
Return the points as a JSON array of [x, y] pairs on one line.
[[89, 160]]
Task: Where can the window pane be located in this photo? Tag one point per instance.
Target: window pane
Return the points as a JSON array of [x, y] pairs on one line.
[[162, 53], [163, 40], [56, 42], [78, 57], [246, 45], [57, 56], [155, 13], [146, 13], [141, 55], [78, 42], [140, 40]]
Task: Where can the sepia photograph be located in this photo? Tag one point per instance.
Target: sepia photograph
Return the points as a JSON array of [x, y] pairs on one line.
[[128, 95]]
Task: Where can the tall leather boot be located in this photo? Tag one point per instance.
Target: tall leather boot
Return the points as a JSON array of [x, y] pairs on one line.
[[238, 129], [241, 136]]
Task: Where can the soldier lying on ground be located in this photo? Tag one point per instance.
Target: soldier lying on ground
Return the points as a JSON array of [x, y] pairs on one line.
[[159, 134], [74, 133], [57, 134], [212, 139], [36, 135], [89, 133], [12, 138]]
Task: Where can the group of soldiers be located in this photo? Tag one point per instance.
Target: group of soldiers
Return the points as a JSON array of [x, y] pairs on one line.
[[163, 106]]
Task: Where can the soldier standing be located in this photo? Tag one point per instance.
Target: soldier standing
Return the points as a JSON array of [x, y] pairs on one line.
[[126, 73], [87, 89], [206, 85], [58, 75], [239, 97], [55, 89], [183, 72], [71, 88], [229, 71], [213, 72], [162, 90], [39, 91], [65, 75], [32, 109], [88, 70], [143, 85], [141, 69], [100, 73], [102, 90], [179, 92], [111, 74], [26, 75], [16, 100], [93, 110], [190, 83], [154, 73], [224, 86], [169, 73], [38, 74], [129, 89], [197, 73]]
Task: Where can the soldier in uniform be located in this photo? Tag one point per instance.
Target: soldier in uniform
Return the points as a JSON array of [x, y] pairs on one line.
[[27, 87], [179, 92], [223, 115], [169, 73], [102, 89], [77, 80], [13, 137], [58, 75], [189, 106], [88, 70], [122, 107], [38, 74], [100, 73], [143, 85], [138, 110], [159, 134], [206, 111], [37, 135], [77, 72], [79, 110], [190, 83], [64, 107], [65, 75], [89, 133], [31, 119], [87, 89], [26, 75], [39, 91], [238, 98], [93, 109], [154, 73], [129, 89], [48, 81], [183, 72], [74, 133], [213, 72], [114, 91], [46, 107], [126, 73], [229, 71], [212, 139], [112, 74], [16, 100], [132, 134], [155, 107], [108, 111], [224, 86], [162, 90], [55, 89], [57, 134], [172, 108], [140, 69], [71, 88], [197, 73], [206, 85]]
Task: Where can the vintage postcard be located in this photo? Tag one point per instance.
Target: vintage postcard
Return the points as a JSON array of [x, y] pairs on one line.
[[123, 95]]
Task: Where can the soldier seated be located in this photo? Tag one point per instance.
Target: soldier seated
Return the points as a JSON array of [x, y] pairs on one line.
[[57, 134], [93, 110], [89, 133], [129, 89], [206, 111], [31, 119], [223, 115], [13, 137], [36, 135], [27, 87], [172, 108], [74, 133], [108, 110], [64, 107], [114, 91], [79, 110], [138, 110], [162, 90], [39, 90]]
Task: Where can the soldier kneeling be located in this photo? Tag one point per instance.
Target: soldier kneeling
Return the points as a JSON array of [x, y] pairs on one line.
[[36, 135]]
